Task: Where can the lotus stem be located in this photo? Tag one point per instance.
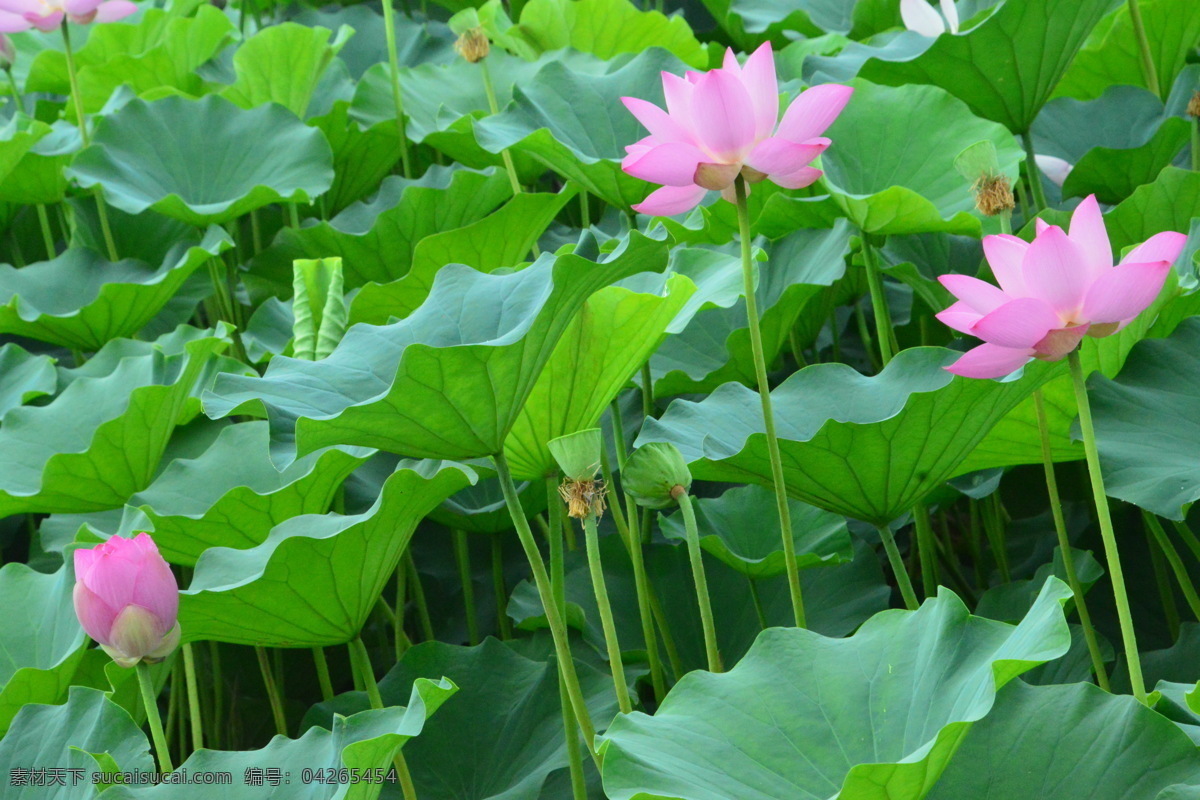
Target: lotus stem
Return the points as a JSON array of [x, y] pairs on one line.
[[1064, 544], [1149, 72], [883, 315], [558, 628], [1111, 554], [902, 580], [499, 589], [268, 676], [494, 107], [1176, 563], [1196, 144], [926, 549], [216, 717], [585, 214], [993, 526], [647, 390], [16, 92], [360, 660], [757, 600], [596, 567], [400, 638], [462, 554], [389, 30], [174, 732], [150, 701], [1035, 175], [418, 595], [1166, 592], [764, 393], [695, 556], [47, 233], [570, 729], [323, 673], [189, 672]]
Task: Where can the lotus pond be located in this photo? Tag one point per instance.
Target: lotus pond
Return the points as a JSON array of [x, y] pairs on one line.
[[569, 399]]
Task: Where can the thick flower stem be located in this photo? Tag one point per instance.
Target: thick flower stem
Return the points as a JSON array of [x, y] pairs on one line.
[[897, 563], [700, 579], [268, 676], [1149, 72], [150, 701], [764, 393], [101, 209], [47, 234], [926, 549], [494, 107], [462, 554], [883, 316], [389, 32], [499, 589], [1064, 544], [1111, 554], [193, 695], [596, 567], [360, 662], [541, 579], [418, 594], [1034, 174], [1177, 566], [323, 674]]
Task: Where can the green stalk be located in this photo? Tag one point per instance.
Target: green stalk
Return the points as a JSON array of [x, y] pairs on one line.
[[360, 661], [1111, 554], [1188, 537], [494, 107], [616, 663], [1166, 594], [16, 92], [323, 673], [503, 624], [418, 595], [398, 634], [897, 563], [571, 729], [389, 30], [268, 676], [647, 391], [462, 554], [101, 209], [764, 393], [189, 672], [698, 576], [558, 628], [993, 526], [216, 717], [1035, 175], [926, 549], [883, 315], [758, 606], [146, 684], [1196, 144], [1064, 544], [47, 233], [174, 732], [1177, 566], [585, 214], [1149, 72]]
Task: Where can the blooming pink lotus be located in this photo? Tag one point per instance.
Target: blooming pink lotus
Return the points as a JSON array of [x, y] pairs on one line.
[[1053, 292], [46, 15], [127, 599], [723, 123]]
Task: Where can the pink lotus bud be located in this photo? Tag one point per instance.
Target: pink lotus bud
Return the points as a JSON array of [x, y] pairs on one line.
[[127, 599]]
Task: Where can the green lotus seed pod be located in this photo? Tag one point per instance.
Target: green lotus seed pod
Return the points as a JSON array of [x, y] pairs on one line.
[[652, 473], [578, 454]]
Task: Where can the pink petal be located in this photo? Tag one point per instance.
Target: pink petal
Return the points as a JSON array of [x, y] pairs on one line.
[[758, 76], [960, 317], [1055, 271], [671, 200], [80, 8], [157, 590], [672, 164], [1040, 225], [22, 7], [805, 176], [1059, 342], [678, 94], [136, 631], [1020, 323], [660, 124], [730, 62], [919, 16], [989, 361], [776, 156], [951, 15], [980, 296], [1056, 169], [813, 111], [722, 116], [94, 614], [1159, 247], [114, 572], [84, 559], [1124, 291], [48, 23], [113, 10], [1089, 235], [1004, 254], [13, 23]]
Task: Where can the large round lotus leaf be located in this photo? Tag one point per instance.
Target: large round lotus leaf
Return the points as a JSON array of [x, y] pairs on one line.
[[449, 380], [32, 157], [890, 183], [82, 301], [877, 715], [862, 447], [204, 161], [23, 377], [1073, 742]]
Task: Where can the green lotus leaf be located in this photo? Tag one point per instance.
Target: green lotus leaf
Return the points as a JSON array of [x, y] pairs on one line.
[[741, 529], [99, 441], [362, 157], [376, 238], [501, 239], [907, 184], [203, 161], [713, 346], [232, 495], [82, 301], [293, 589], [1112, 55], [459, 755], [162, 49], [480, 508], [32, 157], [612, 336], [1168, 204], [1004, 68], [283, 64], [361, 744], [862, 447], [74, 735], [40, 639], [1073, 742], [24, 377], [607, 28], [418, 41], [386, 387], [574, 123], [877, 715]]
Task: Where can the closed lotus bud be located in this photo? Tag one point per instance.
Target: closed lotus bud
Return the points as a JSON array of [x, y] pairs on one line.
[[7, 54], [473, 45], [656, 474], [127, 599]]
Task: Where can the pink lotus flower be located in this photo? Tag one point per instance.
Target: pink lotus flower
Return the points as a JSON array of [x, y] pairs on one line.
[[1053, 291], [127, 599], [721, 124], [47, 15]]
